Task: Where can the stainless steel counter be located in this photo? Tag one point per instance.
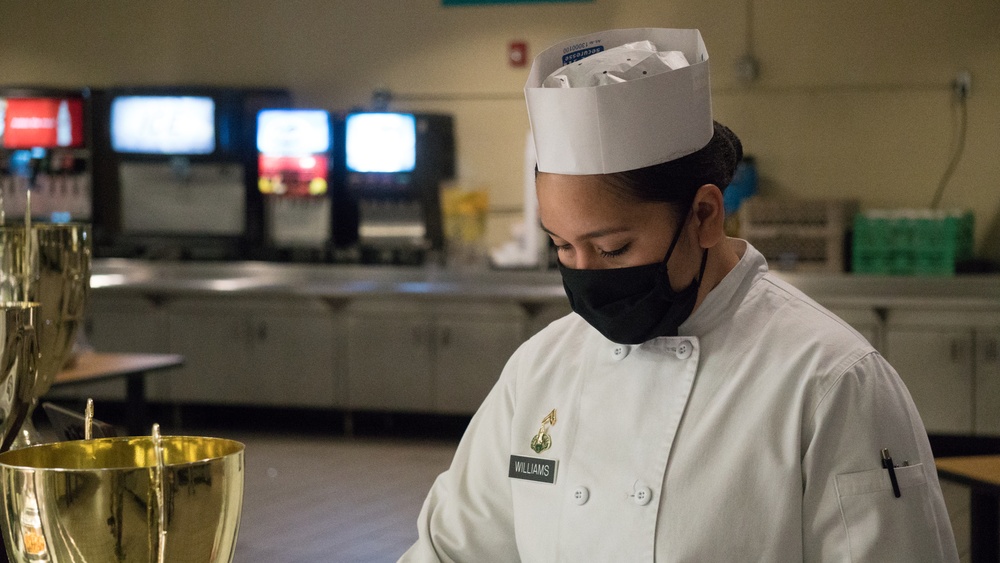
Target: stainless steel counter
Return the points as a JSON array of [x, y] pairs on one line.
[[352, 281], [321, 280]]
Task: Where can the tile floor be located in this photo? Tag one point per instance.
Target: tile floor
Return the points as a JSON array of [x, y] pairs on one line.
[[320, 499]]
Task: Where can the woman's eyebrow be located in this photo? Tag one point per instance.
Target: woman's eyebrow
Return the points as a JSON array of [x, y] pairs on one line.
[[592, 234]]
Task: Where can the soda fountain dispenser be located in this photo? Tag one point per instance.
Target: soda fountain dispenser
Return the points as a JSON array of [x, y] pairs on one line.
[[44, 147], [394, 165], [293, 169], [178, 174]]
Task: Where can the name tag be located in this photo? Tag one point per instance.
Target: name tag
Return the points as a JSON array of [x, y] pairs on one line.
[[532, 469]]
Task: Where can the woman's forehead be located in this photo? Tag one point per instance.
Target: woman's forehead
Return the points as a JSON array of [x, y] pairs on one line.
[[561, 192], [577, 204]]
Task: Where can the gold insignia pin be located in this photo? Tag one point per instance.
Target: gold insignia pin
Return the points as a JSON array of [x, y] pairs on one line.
[[542, 441]]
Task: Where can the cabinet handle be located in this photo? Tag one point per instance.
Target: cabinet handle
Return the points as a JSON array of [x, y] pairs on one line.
[[990, 350], [445, 336], [960, 349], [262, 330]]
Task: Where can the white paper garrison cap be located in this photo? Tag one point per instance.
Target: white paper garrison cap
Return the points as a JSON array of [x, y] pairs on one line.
[[624, 125]]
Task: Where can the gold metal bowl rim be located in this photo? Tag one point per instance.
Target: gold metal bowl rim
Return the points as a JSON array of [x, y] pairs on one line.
[[229, 448]]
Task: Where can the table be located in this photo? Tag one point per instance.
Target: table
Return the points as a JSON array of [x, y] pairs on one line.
[[97, 366], [982, 474]]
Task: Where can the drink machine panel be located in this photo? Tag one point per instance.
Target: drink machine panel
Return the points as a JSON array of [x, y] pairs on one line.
[[181, 180], [171, 192], [44, 145], [293, 169], [395, 163]]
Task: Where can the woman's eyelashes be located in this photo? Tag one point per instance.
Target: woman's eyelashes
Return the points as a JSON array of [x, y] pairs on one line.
[[566, 247], [614, 253]]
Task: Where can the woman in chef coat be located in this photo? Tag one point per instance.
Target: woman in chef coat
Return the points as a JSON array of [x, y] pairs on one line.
[[692, 407]]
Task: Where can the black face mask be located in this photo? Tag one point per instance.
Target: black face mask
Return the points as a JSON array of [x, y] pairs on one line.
[[635, 304]]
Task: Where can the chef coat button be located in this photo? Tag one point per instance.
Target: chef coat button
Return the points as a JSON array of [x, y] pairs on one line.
[[620, 351], [642, 495], [581, 495], [684, 350]]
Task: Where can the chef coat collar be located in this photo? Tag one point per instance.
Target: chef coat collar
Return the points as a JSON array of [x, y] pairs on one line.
[[721, 303]]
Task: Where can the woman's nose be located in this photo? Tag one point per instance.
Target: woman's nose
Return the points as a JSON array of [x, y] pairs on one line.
[[582, 261]]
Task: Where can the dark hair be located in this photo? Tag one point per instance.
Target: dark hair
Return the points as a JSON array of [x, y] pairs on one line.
[[676, 182]]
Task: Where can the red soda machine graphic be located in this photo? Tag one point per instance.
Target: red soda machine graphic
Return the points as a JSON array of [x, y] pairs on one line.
[[44, 148]]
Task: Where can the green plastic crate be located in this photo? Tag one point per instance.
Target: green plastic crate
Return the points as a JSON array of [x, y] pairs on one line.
[[911, 242]]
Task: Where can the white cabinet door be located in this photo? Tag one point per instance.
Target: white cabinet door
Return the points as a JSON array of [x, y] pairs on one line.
[[214, 338], [292, 358], [125, 323], [389, 357], [936, 364], [472, 349], [273, 352], [988, 381]]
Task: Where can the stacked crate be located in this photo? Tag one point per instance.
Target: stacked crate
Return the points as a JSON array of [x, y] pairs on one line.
[[911, 241], [801, 235]]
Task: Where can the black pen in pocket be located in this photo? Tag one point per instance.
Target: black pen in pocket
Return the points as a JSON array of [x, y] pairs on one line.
[[887, 463]]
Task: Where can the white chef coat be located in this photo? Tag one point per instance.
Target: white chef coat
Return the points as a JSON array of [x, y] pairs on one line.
[[753, 436]]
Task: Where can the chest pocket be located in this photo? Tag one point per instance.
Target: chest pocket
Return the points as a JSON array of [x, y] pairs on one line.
[[881, 527]]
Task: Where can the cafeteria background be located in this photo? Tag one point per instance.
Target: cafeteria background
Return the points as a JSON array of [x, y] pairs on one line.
[[853, 100]]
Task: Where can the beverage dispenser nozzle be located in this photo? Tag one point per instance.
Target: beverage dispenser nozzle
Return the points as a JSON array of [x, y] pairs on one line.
[[34, 168]]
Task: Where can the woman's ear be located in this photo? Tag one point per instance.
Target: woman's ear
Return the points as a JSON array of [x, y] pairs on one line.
[[709, 216]]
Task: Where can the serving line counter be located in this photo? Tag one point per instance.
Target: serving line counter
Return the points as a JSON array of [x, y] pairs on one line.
[[347, 337], [434, 340]]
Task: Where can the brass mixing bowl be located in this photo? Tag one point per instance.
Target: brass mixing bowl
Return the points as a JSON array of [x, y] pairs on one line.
[[95, 501]]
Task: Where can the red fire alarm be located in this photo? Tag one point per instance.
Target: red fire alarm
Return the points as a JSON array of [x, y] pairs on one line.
[[517, 53]]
